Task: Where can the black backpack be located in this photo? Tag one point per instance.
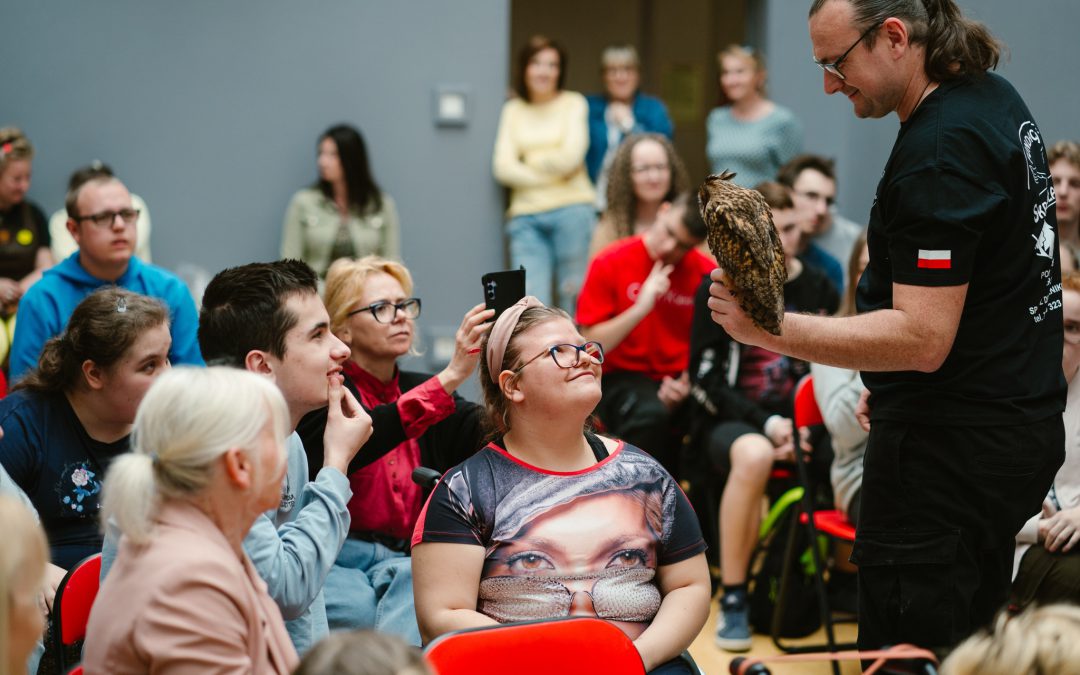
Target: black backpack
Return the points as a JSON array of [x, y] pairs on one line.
[[802, 615]]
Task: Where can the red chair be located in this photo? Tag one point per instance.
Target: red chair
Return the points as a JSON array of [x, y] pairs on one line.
[[71, 607], [571, 646], [828, 522]]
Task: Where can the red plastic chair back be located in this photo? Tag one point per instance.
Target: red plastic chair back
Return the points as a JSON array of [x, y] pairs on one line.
[[74, 597], [807, 413], [572, 646]]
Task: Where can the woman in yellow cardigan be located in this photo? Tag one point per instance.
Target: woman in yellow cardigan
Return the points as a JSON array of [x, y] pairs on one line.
[[540, 155]]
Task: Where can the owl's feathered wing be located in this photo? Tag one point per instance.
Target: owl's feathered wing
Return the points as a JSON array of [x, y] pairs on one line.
[[744, 240]]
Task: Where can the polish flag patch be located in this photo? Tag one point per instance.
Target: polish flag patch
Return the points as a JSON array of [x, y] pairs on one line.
[[935, 260]]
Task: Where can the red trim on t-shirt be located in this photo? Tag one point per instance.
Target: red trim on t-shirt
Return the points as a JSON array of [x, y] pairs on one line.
[[537, 469]]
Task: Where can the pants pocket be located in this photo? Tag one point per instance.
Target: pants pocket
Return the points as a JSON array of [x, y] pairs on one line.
[[908, 590]]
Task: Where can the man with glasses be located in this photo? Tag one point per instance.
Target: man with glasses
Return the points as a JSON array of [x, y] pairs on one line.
[[828, 236], [101, 219], [638, 301], [959, 334]]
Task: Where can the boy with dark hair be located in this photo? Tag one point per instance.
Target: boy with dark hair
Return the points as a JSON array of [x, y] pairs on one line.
[[638, 301], [268, 318]]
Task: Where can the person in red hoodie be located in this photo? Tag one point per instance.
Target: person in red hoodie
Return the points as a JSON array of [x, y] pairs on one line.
[[638, 302]]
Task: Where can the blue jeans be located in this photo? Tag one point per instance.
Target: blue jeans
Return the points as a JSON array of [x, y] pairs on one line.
[[370, 586], [553, 245]]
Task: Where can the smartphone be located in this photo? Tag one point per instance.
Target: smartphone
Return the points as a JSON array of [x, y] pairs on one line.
[[503, 289]]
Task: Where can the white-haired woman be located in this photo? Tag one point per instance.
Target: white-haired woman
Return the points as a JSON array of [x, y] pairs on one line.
[[182, 596], [22, 574], [550, 520]]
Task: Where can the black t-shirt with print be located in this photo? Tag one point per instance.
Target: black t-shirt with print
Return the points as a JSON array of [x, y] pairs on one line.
[[966, 198], [47, 452], [23, 230], [548, 535]]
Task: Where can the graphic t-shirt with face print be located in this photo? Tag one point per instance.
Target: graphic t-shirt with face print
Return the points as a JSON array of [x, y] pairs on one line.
[[586, 543]]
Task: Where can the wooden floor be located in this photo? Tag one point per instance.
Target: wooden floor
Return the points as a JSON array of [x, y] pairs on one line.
[[714, 661]]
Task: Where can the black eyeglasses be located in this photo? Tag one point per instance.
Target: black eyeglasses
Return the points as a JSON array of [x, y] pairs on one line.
[[107, 218], [385, 311], [568, 355], [834, 67]]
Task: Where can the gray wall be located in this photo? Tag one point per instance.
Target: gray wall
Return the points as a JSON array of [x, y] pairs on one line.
[[210, 111], [1045, 53]]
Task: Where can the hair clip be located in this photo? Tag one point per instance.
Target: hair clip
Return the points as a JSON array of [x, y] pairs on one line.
[[5, 148], [121, 305]]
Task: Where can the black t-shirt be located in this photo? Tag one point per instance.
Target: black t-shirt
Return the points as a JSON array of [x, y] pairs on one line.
[[547, 535], [23, 230], [966, 197], [47, 452]]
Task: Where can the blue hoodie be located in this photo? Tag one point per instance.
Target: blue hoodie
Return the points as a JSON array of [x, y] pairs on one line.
[[44, 310]]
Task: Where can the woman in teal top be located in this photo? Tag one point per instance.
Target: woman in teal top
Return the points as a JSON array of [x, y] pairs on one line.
[[749, 134], [344, 214]]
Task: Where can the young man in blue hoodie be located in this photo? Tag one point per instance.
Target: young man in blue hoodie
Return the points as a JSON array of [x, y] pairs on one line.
[[102, 221]]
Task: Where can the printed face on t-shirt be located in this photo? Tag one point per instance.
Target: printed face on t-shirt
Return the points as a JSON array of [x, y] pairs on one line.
[[596, 554]]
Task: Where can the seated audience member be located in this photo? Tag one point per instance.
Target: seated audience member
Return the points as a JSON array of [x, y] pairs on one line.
[[372, 312], [23, 557], [24, 237], [540, 158], [344, 214], [268, 318], [837, 391], [1047, 562], [183, 596], [1039, 641], [550, 520], [70, 417], [363, 652], [618, 112], [63, 244], [645, 173], [749, 134], [1064, 161], [829, 237], [637, 301], [1070, 260], [102, 221], [748, 422]]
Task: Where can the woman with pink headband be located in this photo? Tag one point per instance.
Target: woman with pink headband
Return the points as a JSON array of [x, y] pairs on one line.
[[550, 520]]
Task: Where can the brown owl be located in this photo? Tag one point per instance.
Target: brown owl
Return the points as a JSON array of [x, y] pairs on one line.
[[744, 240]]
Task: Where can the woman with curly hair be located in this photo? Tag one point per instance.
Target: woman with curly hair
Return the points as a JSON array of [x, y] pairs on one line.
[[645, 173]]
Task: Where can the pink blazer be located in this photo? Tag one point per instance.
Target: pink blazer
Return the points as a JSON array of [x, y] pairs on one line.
[[184, 603]]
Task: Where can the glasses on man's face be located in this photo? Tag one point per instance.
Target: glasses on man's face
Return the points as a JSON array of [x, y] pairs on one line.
[[1072, 332], [834, 67], [568, 355], [107, 218], [385, 311]]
